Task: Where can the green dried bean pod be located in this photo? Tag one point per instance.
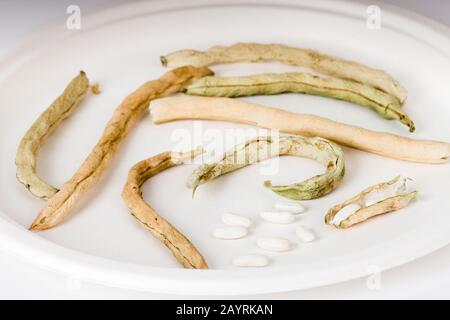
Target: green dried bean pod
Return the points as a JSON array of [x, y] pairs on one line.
[[41, 129], [317, 61], [365, 95]]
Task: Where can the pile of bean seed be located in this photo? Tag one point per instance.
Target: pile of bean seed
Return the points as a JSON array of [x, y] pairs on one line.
[[237, 227]]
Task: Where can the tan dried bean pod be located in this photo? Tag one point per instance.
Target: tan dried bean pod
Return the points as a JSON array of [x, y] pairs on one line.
[[235, 110], [389, 204], [183, 250]]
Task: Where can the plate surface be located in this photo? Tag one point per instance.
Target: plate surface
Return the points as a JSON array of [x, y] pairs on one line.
[[120, 49]]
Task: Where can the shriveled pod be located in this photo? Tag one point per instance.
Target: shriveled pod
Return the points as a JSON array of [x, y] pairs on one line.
[[41, 129], [257, 52], [378, 199], [365, 95], [124, 118], [327, 153], [183, 250]]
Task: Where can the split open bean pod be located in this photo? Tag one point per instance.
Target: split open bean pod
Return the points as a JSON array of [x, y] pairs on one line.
[[391, 196]]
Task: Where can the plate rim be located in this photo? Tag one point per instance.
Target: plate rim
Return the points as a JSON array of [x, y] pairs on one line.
[[49, 255]]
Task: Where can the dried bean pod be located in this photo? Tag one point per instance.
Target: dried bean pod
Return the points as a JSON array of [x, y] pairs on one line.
[[382, 103], [123, 120], [41, 129], [391, 203], [314, 60], [262, 148], [183, 250], [236, 110]]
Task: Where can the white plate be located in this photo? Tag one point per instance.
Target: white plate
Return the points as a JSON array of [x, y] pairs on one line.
[[120, 49]]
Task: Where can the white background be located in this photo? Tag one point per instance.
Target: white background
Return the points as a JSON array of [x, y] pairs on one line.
[[428, 277]]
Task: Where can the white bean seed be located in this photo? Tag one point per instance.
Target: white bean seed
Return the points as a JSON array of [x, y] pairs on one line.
[[274, 244], [291, 207], [236, 220], [305, 234], [398, 188], [251, 260], [229, 233], [345, 212], [277, 217]]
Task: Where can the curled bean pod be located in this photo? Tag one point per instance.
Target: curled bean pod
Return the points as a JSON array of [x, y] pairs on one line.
[[262, 148], [183, 250]]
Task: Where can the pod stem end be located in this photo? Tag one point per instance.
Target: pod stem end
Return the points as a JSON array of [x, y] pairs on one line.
[[163, 61]]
